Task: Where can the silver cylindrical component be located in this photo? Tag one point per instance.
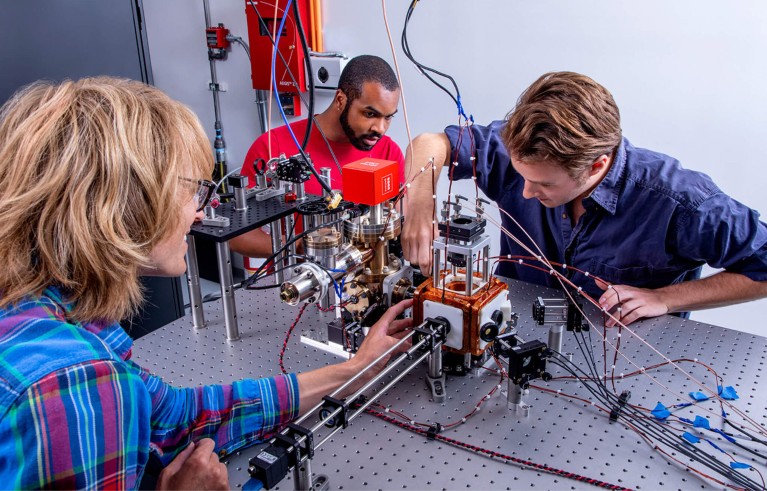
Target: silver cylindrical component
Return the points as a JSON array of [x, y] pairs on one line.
[[435, 267], [239, 183], [366, 231], [312, 221], [327, 300], [308, 284], [514, 395], [435, 362], [377, 214], [325, 176], [289, 226], [300, 192], [323, 245], [240, 200], [469, 275], [350, 259], [302, 476], [193, 283], [275, 229], [555, 337], [227, 291], [261, 181]]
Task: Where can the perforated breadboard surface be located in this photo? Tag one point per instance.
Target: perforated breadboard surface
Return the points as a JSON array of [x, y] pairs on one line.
[[559, 432]]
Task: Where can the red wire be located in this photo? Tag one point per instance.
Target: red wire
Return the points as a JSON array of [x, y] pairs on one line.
[[287, 336], [498, 455]]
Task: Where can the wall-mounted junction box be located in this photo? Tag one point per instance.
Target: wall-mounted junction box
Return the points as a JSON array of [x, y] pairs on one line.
[[327, 71]]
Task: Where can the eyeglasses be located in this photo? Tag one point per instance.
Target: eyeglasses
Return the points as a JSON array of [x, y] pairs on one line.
[[206, 192]]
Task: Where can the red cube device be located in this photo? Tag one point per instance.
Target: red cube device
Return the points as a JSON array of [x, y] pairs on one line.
[[371, 181]]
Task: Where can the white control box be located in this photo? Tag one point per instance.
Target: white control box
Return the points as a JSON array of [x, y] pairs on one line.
[[327, 71]]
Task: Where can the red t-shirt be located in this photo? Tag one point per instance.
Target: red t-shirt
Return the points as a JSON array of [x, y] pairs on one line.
[[318, 152]]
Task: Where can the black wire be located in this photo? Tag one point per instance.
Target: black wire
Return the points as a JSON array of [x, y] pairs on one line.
[[210, 297], [267, 275], [254, 277], [293, 78], [660, 434], [658, 431], [266, 287], [749, 450], [592, 369], [242, 43], [309, 73], [323, 268], [292, 230], [322, 182], [746, 433], [423, 68]]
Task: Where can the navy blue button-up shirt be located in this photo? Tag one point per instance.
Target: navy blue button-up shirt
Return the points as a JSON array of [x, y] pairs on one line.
[[649, 223]]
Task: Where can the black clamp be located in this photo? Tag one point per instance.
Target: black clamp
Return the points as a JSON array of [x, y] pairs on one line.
[[527, 361], [435, 332], [330, 405], [433, 431], [356, 336], [271, 465], [503, 344], [575, 321], [294, 169], [260, 166], [622, 401], [297, 431], [238, 181]]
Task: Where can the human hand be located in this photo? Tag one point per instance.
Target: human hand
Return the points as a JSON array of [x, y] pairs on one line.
[[196, 467], [628, 303], [383, 335], [418, 233]]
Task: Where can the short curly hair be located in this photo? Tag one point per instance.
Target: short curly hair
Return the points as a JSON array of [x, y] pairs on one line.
[[565, 117], [89, 179], [366, 68]]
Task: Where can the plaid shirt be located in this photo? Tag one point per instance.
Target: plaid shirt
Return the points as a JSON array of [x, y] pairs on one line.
[[75, 412]]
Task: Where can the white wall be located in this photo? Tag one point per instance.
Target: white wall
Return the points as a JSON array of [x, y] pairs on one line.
[[688, 75]]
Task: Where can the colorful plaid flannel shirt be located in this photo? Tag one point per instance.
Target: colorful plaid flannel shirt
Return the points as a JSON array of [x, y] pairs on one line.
[[75, 412]]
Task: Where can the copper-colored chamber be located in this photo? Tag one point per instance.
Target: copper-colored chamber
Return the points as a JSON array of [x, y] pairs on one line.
[[471, 306]]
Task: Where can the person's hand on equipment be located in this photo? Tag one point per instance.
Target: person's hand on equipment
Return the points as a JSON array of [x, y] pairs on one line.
[[196, 467], [627, 303], [383, 335]]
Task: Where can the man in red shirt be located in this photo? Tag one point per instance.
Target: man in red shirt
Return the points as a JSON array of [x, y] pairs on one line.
[[351, 128]]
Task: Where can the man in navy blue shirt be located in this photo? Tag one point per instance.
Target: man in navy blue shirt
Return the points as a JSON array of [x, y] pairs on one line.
[[595, 203]]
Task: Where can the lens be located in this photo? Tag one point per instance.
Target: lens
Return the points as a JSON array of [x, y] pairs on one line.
[[203, 194]]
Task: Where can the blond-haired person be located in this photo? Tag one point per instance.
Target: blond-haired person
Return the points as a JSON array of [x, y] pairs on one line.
[[100, 180]]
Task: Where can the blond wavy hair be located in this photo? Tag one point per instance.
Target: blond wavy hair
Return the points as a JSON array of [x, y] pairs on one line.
[[565, 117], [89, 185]]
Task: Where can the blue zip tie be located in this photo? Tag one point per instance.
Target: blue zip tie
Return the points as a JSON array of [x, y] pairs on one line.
[[701, 422], [660, 412], [690, 437], [728, 393], [698, 396]]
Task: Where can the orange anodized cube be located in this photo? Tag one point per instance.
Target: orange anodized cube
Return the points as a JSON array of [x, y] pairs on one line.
[[371, 181]]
